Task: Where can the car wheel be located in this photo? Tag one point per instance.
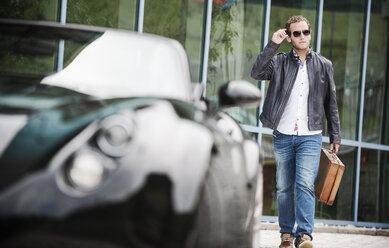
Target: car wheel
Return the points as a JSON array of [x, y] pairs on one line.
[[222, 219]]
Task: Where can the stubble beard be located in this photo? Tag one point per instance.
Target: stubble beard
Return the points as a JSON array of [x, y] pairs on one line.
[[300, 47]]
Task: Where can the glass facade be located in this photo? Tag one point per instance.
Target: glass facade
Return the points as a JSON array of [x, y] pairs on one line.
[[375, 128], [373, 199], [46, 10], [342, 43], [181, 20], [223, 38], [12, 62], [269, 177], [236, 38], [106, 13]]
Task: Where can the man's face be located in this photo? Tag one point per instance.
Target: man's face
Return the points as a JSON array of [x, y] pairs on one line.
[[302, 41]]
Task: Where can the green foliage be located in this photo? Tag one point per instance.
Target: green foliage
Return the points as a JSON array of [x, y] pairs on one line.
[[223, 32], [167, 18], [98, 12], [31, 10]]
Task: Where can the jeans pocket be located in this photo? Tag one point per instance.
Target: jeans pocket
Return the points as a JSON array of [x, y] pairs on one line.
[[275, 134]]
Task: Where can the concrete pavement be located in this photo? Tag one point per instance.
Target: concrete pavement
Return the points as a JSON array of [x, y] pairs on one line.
[[331, 236]]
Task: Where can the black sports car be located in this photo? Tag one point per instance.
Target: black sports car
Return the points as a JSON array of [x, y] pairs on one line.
[[119, 148]]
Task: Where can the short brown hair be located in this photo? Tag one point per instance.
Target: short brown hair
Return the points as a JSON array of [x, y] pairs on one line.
[[295, 19]]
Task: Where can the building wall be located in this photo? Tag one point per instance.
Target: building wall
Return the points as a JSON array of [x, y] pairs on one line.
[[223, 38]]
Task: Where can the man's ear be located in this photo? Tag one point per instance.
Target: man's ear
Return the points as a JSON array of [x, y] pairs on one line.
[[288, 38]]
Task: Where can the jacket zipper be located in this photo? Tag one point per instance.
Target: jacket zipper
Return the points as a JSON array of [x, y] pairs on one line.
[[278, 117]]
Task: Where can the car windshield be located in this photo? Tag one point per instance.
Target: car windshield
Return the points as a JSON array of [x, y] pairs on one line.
[[104, 63]]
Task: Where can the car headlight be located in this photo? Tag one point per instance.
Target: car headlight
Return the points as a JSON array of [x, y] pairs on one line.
[[86, 162], [115, 135], [85, 170]]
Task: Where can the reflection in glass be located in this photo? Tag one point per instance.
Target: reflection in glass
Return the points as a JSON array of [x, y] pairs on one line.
[[269, 182], [105, 13], [72, 49], [43, 10], [252, 136], [181, 20], [342, 40], [26, 59], [236, 32], [374, 125], [342, 209], [30, 54], [373, 204]]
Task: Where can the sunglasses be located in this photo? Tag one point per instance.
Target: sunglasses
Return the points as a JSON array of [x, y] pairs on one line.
[[306, 32]]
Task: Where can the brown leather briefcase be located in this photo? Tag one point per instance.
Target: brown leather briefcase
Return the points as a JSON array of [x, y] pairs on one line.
[[329, 176]]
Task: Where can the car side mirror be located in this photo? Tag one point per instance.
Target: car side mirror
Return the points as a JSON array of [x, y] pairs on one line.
[[239, 93]]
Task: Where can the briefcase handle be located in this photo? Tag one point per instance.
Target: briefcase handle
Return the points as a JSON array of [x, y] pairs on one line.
[[335, 157]]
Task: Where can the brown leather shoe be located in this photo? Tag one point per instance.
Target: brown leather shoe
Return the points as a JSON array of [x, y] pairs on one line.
[[286, 240], [304, 241]]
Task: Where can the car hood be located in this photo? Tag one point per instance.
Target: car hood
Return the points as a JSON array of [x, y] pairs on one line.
[[36, 121]]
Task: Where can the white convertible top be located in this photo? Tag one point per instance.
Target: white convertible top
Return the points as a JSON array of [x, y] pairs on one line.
[[127, 64]]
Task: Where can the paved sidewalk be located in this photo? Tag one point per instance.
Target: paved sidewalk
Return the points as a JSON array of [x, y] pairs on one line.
[[331, 236]]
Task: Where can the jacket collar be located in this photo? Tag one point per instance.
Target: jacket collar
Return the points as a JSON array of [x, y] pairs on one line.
[[296, 58]]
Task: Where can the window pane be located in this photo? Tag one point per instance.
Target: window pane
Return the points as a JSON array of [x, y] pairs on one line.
[[31, 10], [374, 125], [105, 13], [373, 205], [181, 20], [235, 43], [343, 206], [281, 11], [253, 136], [17, 63], [269, 181], [342, 40]]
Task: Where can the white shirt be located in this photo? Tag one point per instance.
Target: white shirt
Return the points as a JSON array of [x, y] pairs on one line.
[[294, 120]]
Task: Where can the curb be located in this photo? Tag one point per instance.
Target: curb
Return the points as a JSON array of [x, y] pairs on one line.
[[323, 228]]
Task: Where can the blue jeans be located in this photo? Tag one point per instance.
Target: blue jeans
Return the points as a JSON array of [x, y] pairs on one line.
[[297, 162]]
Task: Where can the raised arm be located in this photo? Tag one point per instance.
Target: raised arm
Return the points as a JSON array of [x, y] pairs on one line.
[[263, 66]]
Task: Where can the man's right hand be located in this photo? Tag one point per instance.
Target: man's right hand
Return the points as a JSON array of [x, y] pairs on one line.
[[279, 36]]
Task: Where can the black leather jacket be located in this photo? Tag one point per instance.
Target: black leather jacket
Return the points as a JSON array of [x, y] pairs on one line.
[[281, 70]]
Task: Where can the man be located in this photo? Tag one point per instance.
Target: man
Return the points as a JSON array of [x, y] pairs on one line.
[[301, 90]]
